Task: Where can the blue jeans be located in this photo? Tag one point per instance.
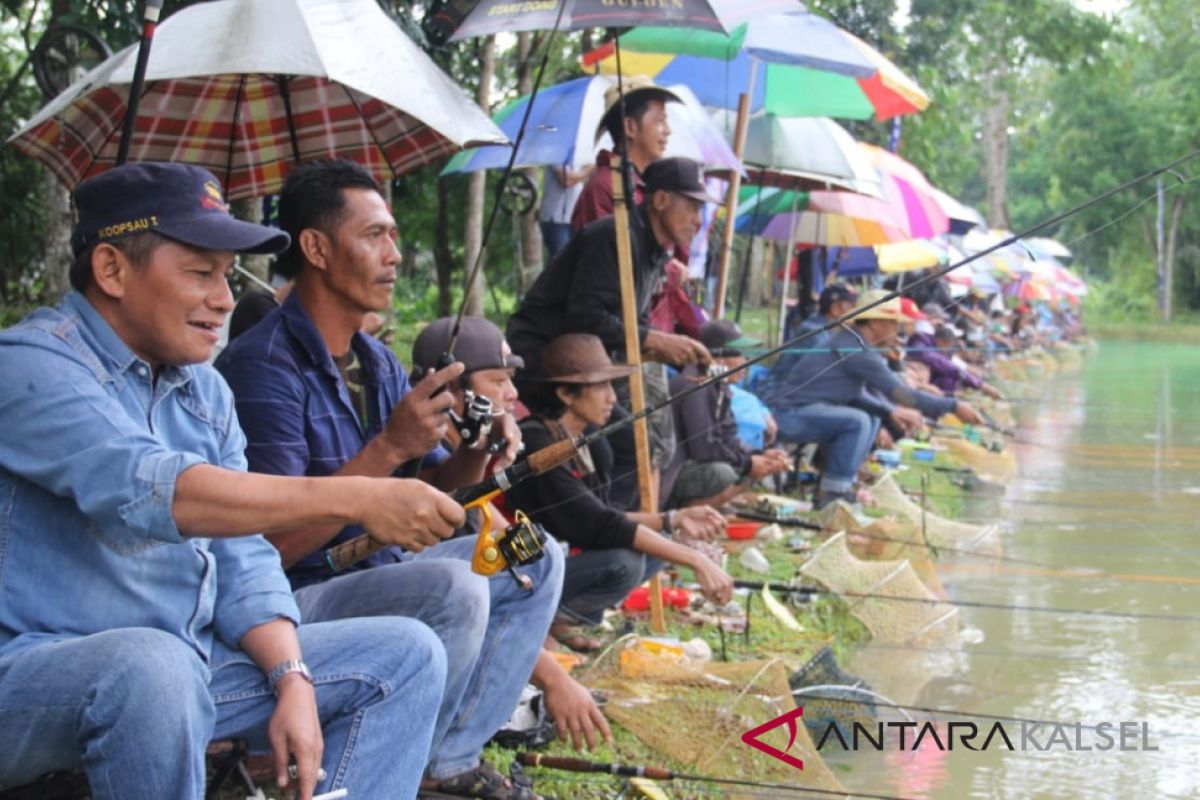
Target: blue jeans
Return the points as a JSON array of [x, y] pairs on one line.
[[845, 435], [492, 630], [555, 235], [135, 707], [598, 579]]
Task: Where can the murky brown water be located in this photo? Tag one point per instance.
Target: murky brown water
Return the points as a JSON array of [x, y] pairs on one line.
[[1106, 508]]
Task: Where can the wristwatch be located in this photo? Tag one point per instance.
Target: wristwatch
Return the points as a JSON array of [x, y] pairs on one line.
[[288, 667]]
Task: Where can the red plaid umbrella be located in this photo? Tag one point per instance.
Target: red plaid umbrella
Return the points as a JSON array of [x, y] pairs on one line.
[[248, 88]]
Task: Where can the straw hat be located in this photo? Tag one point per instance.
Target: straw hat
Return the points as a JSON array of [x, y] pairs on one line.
[[580, 358], [891, 310], [632, 85]]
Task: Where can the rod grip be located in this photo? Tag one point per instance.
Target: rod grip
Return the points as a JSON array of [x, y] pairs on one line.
[[557, 762], [347, 554]]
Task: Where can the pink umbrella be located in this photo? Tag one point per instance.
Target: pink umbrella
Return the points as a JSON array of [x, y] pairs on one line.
[[838, 219], [906, 188]]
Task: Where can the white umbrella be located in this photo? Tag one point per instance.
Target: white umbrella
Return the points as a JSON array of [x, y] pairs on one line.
[[248, 88], [813, 149]]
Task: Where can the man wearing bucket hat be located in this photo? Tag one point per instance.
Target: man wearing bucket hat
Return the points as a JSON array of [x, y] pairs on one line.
[[644, 129], [139, 616], [822, 396], [618, 549]]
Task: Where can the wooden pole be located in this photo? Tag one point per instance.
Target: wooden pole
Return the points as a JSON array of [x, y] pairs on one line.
[[633, 356], [731, 197], [787, 270]]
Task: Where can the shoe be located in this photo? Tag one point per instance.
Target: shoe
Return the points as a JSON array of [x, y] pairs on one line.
[[484, 783], [822, 498]]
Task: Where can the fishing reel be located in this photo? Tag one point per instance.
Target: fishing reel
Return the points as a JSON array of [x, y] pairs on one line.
[[518, 545], [475, 425]]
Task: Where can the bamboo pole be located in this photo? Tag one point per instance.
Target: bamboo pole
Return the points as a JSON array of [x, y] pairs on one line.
[[787, 271], [633, 356], [731, 197]]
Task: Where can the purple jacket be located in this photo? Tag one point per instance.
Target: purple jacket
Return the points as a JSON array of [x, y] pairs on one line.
[[943, 372]]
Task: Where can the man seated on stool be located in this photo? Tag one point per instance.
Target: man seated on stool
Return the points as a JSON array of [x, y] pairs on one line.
[[140, 617]]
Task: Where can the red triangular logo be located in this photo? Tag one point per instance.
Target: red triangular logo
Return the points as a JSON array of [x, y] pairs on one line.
[[750, 737]]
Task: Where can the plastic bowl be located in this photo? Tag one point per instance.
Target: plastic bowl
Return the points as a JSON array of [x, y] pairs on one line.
[[742, 530], [888, 458], [923, 454]]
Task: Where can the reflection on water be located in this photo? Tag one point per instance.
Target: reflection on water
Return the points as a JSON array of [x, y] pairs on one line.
[[1103, 516]]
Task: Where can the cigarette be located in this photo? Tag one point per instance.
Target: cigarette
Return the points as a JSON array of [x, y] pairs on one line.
[[336, 794]]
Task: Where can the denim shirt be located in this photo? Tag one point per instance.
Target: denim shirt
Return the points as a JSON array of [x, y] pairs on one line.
[[89, 454], [298, 414]]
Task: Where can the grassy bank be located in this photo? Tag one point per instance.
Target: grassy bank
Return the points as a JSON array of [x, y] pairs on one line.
[[1179, 332]]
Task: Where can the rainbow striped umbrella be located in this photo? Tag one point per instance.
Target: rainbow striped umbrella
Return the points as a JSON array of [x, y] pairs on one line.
[[836, 219], [798, 65], [907, 188]]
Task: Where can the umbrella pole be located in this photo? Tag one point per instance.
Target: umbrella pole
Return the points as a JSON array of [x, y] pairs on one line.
[[745, 276], [787, 271], [735, 185], [633, 356], [149, 21]]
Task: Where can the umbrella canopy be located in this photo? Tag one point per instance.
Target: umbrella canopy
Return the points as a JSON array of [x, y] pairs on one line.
[[248, 88], [1006, 261], [504, 16], [564, 120], [812, 149], [1050, 248], [802, 65], [906, 188], [962, 217], [822, 217]]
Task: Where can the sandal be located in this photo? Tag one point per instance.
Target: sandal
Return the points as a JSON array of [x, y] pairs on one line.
[[484, 783], [575, 637]]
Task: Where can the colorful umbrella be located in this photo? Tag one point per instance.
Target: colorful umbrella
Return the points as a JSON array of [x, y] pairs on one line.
[[794, 64], [1051, 248], [488, 17], [796, 152], [248, 88], [829, 218], [962, 217], [906, 188], [562, 130]]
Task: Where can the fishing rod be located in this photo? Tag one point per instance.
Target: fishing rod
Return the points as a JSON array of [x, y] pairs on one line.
[[664, 774], [560, 456], [447, 357], [804, 591]]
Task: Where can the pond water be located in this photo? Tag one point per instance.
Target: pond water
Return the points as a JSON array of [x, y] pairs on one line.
[[1102, 517]]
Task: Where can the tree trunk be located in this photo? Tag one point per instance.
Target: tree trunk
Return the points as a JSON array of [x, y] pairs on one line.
[[56, 244], [995, 143], [1169, 258], [531, 234], [442, 259], [251, 210], [473, 235]]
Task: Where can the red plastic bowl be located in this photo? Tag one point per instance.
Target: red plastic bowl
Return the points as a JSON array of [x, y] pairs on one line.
[[742, 530], [639, 598]]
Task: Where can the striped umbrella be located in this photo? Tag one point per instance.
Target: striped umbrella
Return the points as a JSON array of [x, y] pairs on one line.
[[830, 218], [907, 188], [562, 130], [795, 64], [249, 88]]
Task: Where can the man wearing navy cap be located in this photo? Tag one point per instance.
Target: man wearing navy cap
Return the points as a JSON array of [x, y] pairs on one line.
[[140, 614]]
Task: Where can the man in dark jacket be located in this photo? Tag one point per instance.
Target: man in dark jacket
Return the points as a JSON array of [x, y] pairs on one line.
[[713, 464]]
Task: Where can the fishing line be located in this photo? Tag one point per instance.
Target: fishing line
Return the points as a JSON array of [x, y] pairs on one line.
[[1028, 655], [1088, 612], [501, 185], [1169, 188], [977, 715]]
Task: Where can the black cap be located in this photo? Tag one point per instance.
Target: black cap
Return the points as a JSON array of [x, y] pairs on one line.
[[680, 175], [179, 201], [723, 337], [480, 345], [835, 293]]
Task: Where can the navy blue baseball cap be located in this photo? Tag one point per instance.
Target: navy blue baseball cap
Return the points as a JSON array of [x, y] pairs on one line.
[[179, 201]]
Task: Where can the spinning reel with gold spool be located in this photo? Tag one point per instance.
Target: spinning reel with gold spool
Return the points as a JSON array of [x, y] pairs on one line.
[[519, 544]]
